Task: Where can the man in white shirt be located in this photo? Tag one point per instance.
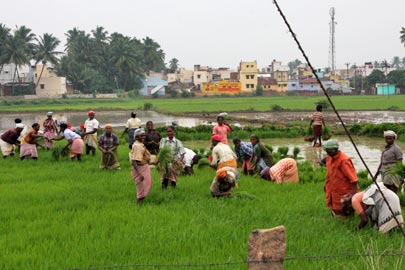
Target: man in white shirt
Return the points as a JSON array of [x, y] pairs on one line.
[[90, 133], [189, 160]]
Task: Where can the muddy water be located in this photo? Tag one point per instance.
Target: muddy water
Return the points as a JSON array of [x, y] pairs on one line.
[[374, 117], [369, 148], [116, 118]]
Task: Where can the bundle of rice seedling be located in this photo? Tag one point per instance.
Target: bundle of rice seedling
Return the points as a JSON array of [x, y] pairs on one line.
[[326, 134], [203, 163], [165, 161], [64, 152], [245, 195], [283, 150], [296, 151], [56, 153], [310, 135]]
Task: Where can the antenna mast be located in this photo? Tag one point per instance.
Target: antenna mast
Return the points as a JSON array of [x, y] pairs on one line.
[[332, 49]]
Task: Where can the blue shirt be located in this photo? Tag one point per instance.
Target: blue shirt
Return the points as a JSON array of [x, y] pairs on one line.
[[245, 151]]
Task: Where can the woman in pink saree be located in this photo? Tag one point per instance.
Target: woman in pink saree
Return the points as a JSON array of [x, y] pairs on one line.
[[140, 168], [50, 129]]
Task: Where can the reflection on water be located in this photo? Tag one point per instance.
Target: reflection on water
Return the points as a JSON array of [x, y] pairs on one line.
[[369, 148]]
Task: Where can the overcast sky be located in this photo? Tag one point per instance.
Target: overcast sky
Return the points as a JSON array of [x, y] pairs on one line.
[[221, 33]]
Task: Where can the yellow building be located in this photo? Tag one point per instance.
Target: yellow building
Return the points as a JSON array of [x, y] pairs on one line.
[[248, 76], [50, 85], [281, 76], [222, 87]]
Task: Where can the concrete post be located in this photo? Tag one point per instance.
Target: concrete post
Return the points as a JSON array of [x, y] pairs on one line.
[[268, 247]]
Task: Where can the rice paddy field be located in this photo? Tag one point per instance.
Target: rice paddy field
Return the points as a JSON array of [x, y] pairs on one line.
[[208, 104], [71, 215]]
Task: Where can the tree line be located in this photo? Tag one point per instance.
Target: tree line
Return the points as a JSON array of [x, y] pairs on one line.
[[91, 62]]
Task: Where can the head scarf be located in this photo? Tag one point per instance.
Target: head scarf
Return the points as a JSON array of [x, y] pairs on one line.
[[19, 125], [221, 173], [390, 133], [331, 144], [49, 113], [216, 138], [139, 131], [91, 112]]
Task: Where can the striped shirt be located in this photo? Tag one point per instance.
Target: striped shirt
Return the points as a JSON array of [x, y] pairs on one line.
[[317, 117]]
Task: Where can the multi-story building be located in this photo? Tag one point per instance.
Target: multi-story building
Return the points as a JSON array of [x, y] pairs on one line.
[[248, 76], [50, 85]]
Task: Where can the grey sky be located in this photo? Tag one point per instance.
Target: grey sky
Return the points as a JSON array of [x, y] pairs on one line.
[[220, 33]]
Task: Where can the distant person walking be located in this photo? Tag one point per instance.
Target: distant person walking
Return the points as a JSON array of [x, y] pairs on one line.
[[50, 129], [132, 124], [316, 123], [91, 125]]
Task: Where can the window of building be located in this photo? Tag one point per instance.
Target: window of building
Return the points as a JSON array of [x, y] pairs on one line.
[[198, 76], [247, 85], [42, 86], [252, 86], [247, 76]]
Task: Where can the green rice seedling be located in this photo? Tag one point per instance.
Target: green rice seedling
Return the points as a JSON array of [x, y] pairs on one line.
[[296, 151], [73, 215], [204, 162], [269, 147], [283, 151], [326, 133], [56, 153]]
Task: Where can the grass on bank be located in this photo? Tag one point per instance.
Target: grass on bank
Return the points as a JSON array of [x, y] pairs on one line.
[[207, 104], [57, 215]]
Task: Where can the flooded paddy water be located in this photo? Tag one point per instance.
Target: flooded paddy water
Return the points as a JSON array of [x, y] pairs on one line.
[[370, 148]]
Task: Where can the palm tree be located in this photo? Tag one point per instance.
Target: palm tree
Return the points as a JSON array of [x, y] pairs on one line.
[[100, 43], [125, 57], [402, 37], [46, 52], [72, 37], [4, 35], [23, 37], [18, 49], [396, 62], [173, 65], [154, 57]]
